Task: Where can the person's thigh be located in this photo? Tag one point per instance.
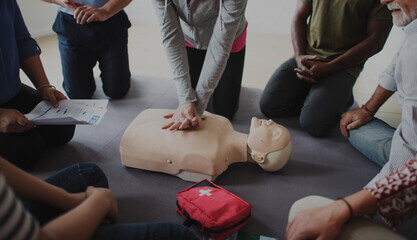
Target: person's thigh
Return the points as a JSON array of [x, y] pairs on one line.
[[77, 68], [195, 63], [225, 98], [26, 148], [73, 179], [357, 228], [325, 102], [114, 66], [284, 94], [145, 231], [373, 140]]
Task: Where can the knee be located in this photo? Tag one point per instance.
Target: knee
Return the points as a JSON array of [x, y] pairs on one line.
[[116, 84], [265, 105], [316, 124], [78, 94], [306, 203], [66, 133], [314, 127], [93, 175]]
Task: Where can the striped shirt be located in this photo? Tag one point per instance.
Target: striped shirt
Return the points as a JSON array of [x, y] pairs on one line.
[[401, 76], [15, 221]]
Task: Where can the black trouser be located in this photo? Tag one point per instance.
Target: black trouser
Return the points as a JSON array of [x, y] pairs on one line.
[[24, 149], [319, 105], [225, 99]]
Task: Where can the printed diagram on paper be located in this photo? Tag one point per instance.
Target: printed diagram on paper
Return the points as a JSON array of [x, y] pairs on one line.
[[83, 111]]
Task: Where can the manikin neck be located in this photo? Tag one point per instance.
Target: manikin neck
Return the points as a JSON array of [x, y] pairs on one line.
[[237, 147]]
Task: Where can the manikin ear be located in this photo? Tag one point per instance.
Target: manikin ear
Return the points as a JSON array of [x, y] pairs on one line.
[[258, 157]]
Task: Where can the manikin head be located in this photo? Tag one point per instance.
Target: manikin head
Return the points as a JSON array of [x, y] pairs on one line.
[[269, 144], [403, 11]]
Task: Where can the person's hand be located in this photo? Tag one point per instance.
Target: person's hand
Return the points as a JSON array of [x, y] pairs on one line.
[[322, 223], [184, 117], [320, 69], [105, 194], [353, 119], [13, 121], [87, 14], [304, 63], [52, 95], [69, 4]]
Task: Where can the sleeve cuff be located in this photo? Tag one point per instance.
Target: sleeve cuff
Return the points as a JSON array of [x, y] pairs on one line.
[[387, 82], [27, 48]]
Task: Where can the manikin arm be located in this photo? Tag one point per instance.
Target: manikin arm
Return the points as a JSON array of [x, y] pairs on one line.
[[86, 210]]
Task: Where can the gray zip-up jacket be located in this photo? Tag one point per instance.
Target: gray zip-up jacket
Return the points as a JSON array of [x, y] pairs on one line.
[[206, 24]]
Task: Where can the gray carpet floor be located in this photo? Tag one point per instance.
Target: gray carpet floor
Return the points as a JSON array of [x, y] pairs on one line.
[[328, 167]]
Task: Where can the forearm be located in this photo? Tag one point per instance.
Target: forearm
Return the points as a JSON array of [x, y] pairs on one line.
[[362, 203], [299, 37], [79, 223], [28, 187], [379, 97], [33, 68], [114, 6], [299, 29], [359, 53], [175, 50]]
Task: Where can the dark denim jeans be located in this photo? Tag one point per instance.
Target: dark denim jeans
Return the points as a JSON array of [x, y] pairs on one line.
[[77, 178], [319, 105], [82, 46]]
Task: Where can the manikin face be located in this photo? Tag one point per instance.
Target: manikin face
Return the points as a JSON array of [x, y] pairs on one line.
[[265, 136], [403, 11]]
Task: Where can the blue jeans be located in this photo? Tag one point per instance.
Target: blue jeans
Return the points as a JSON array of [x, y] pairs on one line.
[[77, 178], [373, 140], [82, 46]]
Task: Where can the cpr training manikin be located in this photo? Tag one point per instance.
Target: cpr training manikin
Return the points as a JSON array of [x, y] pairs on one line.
[[202, 152]]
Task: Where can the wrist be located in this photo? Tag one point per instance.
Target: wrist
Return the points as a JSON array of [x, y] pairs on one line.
[[341, 211], [45, 86], [367, 110]]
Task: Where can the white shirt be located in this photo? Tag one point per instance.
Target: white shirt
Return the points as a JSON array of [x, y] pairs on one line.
[[401, 76]]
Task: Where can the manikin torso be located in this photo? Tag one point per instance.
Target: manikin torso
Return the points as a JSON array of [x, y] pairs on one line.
[[193, 155]]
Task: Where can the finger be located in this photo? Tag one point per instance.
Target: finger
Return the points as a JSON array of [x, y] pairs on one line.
[[175, 126], [184, 125], [59, 96], [85, 17], [194, 122], [24, 124], [305, 78], [311, 57], [353, 125], [188, 116], [168, 125], [169, 115], [343, 123], [304, 71], [52, 98], [91, 18]]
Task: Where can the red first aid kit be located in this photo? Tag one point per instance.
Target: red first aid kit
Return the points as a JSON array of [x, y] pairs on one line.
[[212, 209]]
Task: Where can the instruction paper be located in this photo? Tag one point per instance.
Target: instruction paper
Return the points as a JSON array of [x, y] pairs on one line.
[[79, 111]]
